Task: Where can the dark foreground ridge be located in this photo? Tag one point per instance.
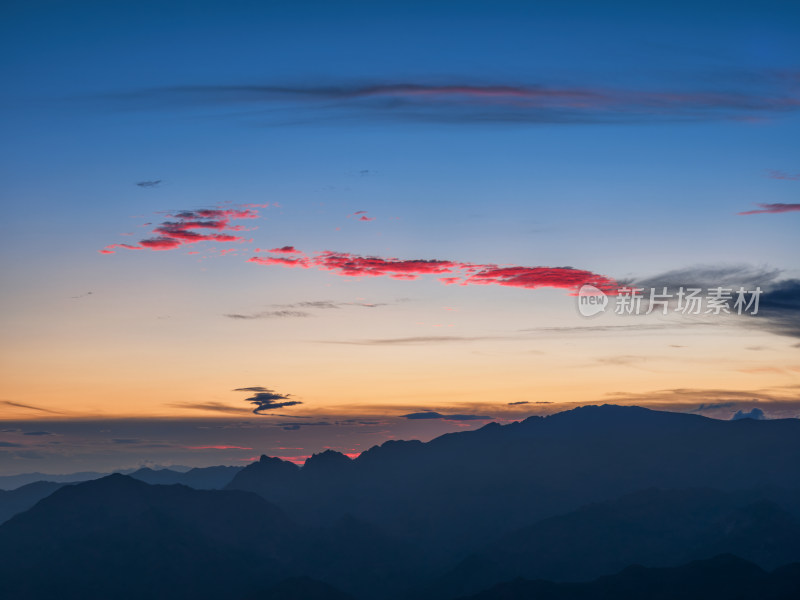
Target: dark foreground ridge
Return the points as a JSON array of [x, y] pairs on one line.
[[500, 512]]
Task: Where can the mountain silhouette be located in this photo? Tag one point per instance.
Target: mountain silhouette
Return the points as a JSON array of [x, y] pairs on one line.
[[122, 538], [186, 543], [462, 490], [724, 576], [22, 498], [569, 497], [655, 528]]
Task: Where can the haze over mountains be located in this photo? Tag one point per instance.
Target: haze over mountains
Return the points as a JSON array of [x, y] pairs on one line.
[[578, 496]]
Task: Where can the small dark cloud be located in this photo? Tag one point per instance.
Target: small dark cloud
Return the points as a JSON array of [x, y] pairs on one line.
[[518, 403], [295, 426], [621, 360], [435, 339], [542, 402], [149, 184], [38, 433], [124, 441], [328, 304], [10, 445], [755, 413], [436, 415], [267, 399], [273, 314], [357, 422], [323, 304]]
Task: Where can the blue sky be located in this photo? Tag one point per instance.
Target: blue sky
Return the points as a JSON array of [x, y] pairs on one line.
[[618, 139]]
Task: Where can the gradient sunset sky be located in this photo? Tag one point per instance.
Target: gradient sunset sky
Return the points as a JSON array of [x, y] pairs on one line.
[[369, 220]]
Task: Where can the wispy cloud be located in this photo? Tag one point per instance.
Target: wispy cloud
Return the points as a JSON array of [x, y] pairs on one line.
[[716, 402], [711, 276], [272, 314], [436, 415], [772, 209], [212, 406], [149, 184], [461, 102], [28, 407], [433, 339], [779, 310], [291, 310], [779, 302], [291, 426]]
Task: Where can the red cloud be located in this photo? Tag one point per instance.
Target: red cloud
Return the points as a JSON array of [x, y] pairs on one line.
[[772, 209], [535, 277], [351, 265], [188, 227], [365, 218], [191, 226], [110, 249], [280, 260]]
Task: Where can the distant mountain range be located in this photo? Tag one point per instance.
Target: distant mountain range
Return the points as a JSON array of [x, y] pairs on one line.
[[218, 477], [22, 498], [502, 512]]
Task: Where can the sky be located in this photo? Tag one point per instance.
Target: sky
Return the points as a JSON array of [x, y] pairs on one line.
[[242, 228]]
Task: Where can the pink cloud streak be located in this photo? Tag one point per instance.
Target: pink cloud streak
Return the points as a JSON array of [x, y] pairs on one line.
[[772, 209], [352, 265]]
